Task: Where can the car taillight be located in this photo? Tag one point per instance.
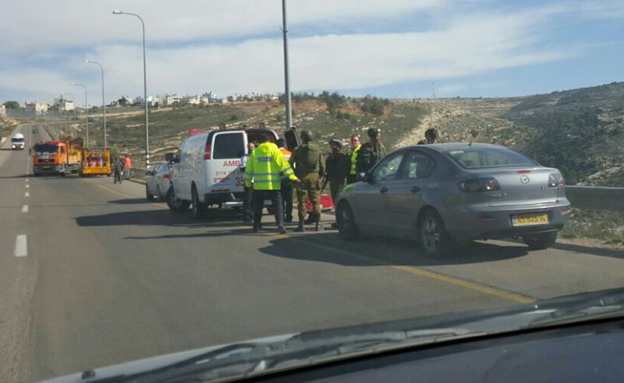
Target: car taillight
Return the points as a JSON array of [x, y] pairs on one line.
[[555, 180], [208, 152], [167, 177], [479, 185]]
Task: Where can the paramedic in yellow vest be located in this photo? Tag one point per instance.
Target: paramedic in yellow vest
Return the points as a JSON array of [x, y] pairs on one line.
[[266, 168], [354, 148]]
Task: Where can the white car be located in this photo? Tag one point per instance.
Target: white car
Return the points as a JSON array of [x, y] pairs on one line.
[[18, 142], [208, 170], [158, 181]]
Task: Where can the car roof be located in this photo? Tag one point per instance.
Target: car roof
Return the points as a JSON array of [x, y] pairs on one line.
[[456, 145]]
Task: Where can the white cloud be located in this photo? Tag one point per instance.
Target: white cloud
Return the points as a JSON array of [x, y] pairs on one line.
[[25, 25], [459, 45], [449, 89]]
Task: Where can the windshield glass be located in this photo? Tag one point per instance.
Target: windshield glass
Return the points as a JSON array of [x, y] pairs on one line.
[[46, 149], [17, 140], [203, 173], [478, 158]]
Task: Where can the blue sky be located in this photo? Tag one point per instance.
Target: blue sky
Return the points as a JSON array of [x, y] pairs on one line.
[[391, 48]]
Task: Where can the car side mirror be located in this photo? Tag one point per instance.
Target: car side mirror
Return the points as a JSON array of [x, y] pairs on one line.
[[170, 157], [364, 176]]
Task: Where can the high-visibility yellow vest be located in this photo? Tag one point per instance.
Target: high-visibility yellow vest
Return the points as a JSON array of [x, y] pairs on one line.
[[354, 155], [266, 167]]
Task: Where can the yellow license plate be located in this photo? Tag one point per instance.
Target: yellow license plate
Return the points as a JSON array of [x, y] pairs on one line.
[[532, 219]]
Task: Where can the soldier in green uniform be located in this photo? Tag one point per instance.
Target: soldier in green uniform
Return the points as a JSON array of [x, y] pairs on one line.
[[309, 165], [338, 165], [370, 152]]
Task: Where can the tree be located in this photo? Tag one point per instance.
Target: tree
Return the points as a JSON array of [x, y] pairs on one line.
[[11, 105]]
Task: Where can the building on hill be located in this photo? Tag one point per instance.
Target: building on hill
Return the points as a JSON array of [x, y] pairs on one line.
[[2, 110], [37, 107], [171, 99]]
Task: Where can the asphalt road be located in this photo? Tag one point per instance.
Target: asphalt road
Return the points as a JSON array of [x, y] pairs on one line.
[[91, 274]]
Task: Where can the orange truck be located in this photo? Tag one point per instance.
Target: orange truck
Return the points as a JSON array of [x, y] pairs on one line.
[[56, 157], [95, 161]]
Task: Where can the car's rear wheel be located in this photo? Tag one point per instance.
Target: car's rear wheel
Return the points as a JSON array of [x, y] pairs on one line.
[[346, 223], [198, 209], [175, 204], [148, 195], [432, 234], [540, 241]]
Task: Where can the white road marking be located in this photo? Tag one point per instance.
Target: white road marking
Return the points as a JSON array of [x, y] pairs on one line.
[[26, 179], [25, 209], [27, 186], [21, 249], [27, 194]]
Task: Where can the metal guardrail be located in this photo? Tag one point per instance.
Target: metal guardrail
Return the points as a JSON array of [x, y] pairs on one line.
[[138, 174], [583, 197], [593, 197]]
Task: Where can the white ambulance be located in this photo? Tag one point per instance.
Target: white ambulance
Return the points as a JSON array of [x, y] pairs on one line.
[[208, 170]]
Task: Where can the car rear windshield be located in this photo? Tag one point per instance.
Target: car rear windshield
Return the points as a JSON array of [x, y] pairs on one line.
[[229, 145], [17, 140], [479, 158], [46, 148]]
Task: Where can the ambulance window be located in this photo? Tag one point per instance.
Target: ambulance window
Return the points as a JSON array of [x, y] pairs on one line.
[[230, 146]]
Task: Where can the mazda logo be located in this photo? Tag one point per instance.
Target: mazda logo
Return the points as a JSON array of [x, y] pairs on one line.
[[525, 179]]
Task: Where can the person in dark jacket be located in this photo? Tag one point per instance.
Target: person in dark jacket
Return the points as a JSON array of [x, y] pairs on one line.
[[338, 166], [370, 152], [119, 169]]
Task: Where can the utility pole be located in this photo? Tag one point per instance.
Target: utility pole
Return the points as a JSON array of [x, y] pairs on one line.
[[286, 75]]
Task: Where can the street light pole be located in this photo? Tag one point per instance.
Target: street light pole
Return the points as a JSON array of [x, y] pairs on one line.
[[286, 70], [103, 100], [147, 147], [86, 109]]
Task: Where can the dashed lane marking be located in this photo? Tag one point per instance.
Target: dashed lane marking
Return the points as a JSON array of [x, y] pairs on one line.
[[25, 209], [27, 194], [21, 248]]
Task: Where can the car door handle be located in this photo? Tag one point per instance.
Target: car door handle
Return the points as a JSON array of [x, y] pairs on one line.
[[383, 189], [415, 189]]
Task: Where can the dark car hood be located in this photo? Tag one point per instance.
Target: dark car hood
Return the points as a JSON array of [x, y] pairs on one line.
[[292, 351]]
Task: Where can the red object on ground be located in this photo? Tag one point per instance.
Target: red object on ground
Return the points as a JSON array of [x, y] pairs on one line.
[[326, 203]]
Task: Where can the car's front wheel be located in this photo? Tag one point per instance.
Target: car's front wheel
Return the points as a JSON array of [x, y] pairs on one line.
[[148, 195], [175, 204], [540, 241], [432, 234], [346, 223]]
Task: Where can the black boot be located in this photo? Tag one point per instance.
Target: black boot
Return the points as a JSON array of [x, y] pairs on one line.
[[300, 228], [317, 223], [311, 218]]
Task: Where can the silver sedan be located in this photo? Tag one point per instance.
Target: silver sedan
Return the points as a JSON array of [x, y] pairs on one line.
[[445, 194], [158, 181]]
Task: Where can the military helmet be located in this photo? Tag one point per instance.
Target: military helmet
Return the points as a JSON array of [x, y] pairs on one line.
[[372, 132], [306, 136], [432, 134]]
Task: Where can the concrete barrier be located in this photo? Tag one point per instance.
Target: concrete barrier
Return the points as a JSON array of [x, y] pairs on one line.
[[594, 197]]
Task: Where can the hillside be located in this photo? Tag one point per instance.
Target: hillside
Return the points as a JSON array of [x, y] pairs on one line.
[[579, 131]]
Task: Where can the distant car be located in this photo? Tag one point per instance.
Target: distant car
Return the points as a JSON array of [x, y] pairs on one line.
[[158, 181], [445, 193], [18, 142]]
